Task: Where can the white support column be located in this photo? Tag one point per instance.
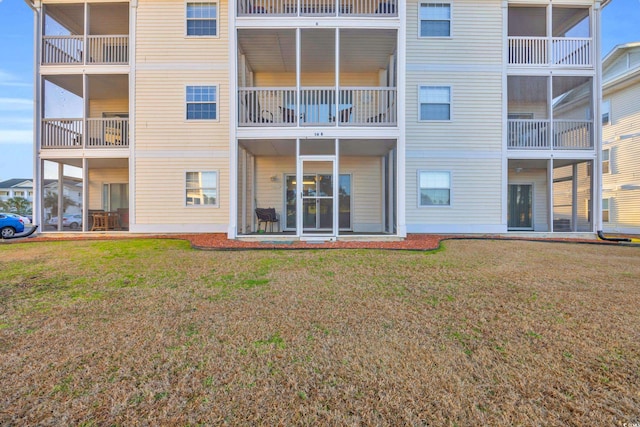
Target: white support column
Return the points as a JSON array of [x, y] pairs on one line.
[[298, 69], [399, 175], [85, 110], [596, 176], [38, 113], [550, 33], [574, 197], [232, 227], [383, 202], [550, 193], [337, 76], [60, 196], [133, 13], [244, 191], [336, 188], [85, 193], [85, 37]]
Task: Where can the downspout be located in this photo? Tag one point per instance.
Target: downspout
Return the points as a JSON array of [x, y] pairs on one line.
[[601, 236]]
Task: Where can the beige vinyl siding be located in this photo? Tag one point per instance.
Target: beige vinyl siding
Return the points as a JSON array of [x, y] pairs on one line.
[[476, 191], [476, 35], [160, 191], [99, 106], [366, 186], [168, 145], [537, 177], [98, 177], [161, 35], [476, 112], [622, 138], [161, 122]]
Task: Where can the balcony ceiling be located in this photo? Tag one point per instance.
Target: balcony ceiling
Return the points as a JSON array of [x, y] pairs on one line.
[[108, 18], [273, 50], [531, 21], [348, 147], [100, 86]]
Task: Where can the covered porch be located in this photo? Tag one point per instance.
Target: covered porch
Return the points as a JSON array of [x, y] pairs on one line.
[[316, 188], [90, 194], [550, 195]]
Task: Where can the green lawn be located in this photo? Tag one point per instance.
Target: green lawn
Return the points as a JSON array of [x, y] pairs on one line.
[[151, 332]]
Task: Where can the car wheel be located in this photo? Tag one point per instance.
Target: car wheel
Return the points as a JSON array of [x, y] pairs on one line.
[[73, 226], [7, 232]]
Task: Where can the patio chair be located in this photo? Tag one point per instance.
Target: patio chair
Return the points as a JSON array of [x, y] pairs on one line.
[[268, 216], [344, 115], [254, 113]]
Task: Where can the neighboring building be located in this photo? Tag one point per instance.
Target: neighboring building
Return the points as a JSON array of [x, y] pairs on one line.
[[16, 187], [349, 117], [621, 140]]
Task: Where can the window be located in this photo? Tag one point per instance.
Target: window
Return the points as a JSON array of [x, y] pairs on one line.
[[18, 193], [435, 188], [605, 210], [4, 193], [201, 103], [202, 19], [435, 20], [202, 189], [435, 103], [606, 162], [606, 112]]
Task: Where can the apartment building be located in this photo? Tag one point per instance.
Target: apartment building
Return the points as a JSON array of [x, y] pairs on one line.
[[348, 118], [621, 140], [16, 187]]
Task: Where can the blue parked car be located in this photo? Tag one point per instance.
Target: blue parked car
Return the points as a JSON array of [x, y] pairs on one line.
[[9, 226]]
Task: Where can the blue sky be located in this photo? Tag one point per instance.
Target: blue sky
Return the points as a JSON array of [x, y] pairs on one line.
[[620, 23]]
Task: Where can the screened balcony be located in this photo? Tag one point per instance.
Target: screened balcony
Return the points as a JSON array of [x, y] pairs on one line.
[[67, 40], [547, 113], [99, 120], [318, 8], [357, 87], [570, 42]]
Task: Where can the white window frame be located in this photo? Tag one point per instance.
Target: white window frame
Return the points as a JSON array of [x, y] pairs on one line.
[[420, 119], [607, 210], [420, 5], [606, 161], [217, 189], [421, 171], [606, 111], [187, 19], [216, 102]]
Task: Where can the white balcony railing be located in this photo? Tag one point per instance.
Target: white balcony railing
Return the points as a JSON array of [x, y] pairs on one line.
[[378, 8], [61, 133], [317, 106], [369, 106], [62, 49], [534, 134], [108, 49], [571, 51], [100, 133], [536, 51], [112, 49], [267, 107], [528, 50], [528, 134], [573, 135], [107, 133]]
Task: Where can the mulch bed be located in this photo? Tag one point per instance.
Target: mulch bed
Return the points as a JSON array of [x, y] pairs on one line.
[[219, 241]]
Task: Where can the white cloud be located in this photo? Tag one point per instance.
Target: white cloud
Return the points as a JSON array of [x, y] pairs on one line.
[[16, 137], [8, 79], [15, 104]]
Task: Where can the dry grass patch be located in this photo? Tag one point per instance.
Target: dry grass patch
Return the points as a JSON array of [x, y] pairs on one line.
[[482, 333]]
